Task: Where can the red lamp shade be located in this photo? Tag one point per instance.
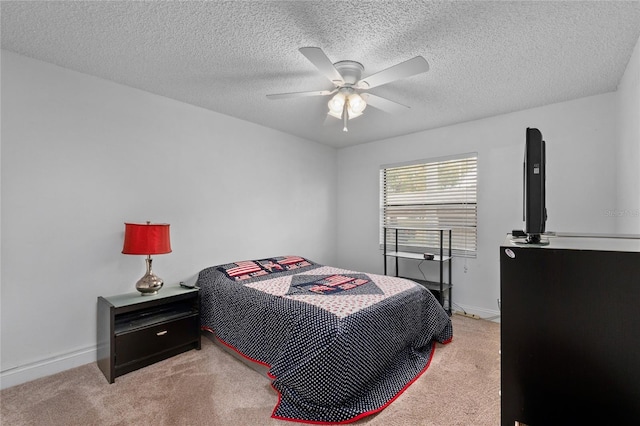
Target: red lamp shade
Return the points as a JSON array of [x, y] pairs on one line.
[[149, 238]]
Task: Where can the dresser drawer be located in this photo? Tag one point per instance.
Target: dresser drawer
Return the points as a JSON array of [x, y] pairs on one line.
[[149, 341]]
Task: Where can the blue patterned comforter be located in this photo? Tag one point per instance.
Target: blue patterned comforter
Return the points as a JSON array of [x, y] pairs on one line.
[[340, 345]]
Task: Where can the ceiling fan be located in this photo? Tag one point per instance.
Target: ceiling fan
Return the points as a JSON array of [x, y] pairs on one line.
[[349, 100]]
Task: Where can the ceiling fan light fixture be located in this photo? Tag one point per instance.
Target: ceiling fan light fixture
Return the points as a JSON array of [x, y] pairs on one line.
[[356, 104], [353, 114], [352, 105], [336, 104]]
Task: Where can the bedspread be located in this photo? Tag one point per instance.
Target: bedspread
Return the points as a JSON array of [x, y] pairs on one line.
[[339, 344]]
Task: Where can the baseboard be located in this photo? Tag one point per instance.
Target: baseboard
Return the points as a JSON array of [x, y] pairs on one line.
[[26, 373], [475, 312]]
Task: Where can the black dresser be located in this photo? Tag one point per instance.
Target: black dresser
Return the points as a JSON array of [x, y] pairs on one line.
[[570, 331]]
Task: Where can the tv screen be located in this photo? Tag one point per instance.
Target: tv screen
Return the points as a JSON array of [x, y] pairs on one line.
[[535, 211]]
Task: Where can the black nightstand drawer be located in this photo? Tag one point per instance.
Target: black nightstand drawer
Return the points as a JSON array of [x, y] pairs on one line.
[[135, 331], [139, 344]]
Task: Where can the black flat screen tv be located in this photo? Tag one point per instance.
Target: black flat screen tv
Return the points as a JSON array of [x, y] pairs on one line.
[[534, 209]]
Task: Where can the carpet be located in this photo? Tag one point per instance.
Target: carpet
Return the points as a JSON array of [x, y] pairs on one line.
[[211, 387]]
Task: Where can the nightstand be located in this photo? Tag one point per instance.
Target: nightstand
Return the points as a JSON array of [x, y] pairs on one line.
[[135, 330]]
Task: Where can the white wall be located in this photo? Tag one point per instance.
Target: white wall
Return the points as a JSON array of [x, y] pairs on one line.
[[581, 141], [81, 155], [627, 207]]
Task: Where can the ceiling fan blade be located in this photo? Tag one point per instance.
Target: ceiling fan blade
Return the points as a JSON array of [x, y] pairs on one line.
[[384, 104], [323, 63], [404, 69], [301, 94]]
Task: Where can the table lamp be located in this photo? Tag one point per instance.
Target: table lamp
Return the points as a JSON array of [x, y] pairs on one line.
[[147, 239]]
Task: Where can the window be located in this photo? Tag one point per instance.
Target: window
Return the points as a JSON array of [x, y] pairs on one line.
[[438, 193]]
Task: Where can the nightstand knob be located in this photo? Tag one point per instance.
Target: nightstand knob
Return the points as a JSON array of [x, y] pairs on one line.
[[161, 333]]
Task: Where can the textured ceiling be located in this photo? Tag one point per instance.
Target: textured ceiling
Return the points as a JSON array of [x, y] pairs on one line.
[[486, 58]]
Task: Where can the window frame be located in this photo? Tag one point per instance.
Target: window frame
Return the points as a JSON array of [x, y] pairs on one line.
[[459, 213]]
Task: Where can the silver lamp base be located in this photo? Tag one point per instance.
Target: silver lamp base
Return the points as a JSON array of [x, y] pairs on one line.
[[150, 283]]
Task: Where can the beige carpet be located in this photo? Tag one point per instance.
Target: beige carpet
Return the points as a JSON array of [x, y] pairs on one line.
[[211, 387]]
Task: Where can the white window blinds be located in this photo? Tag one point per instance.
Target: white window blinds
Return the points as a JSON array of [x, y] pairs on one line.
[[438, 193]]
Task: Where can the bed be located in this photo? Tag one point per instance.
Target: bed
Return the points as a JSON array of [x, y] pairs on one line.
[[338, 344]]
